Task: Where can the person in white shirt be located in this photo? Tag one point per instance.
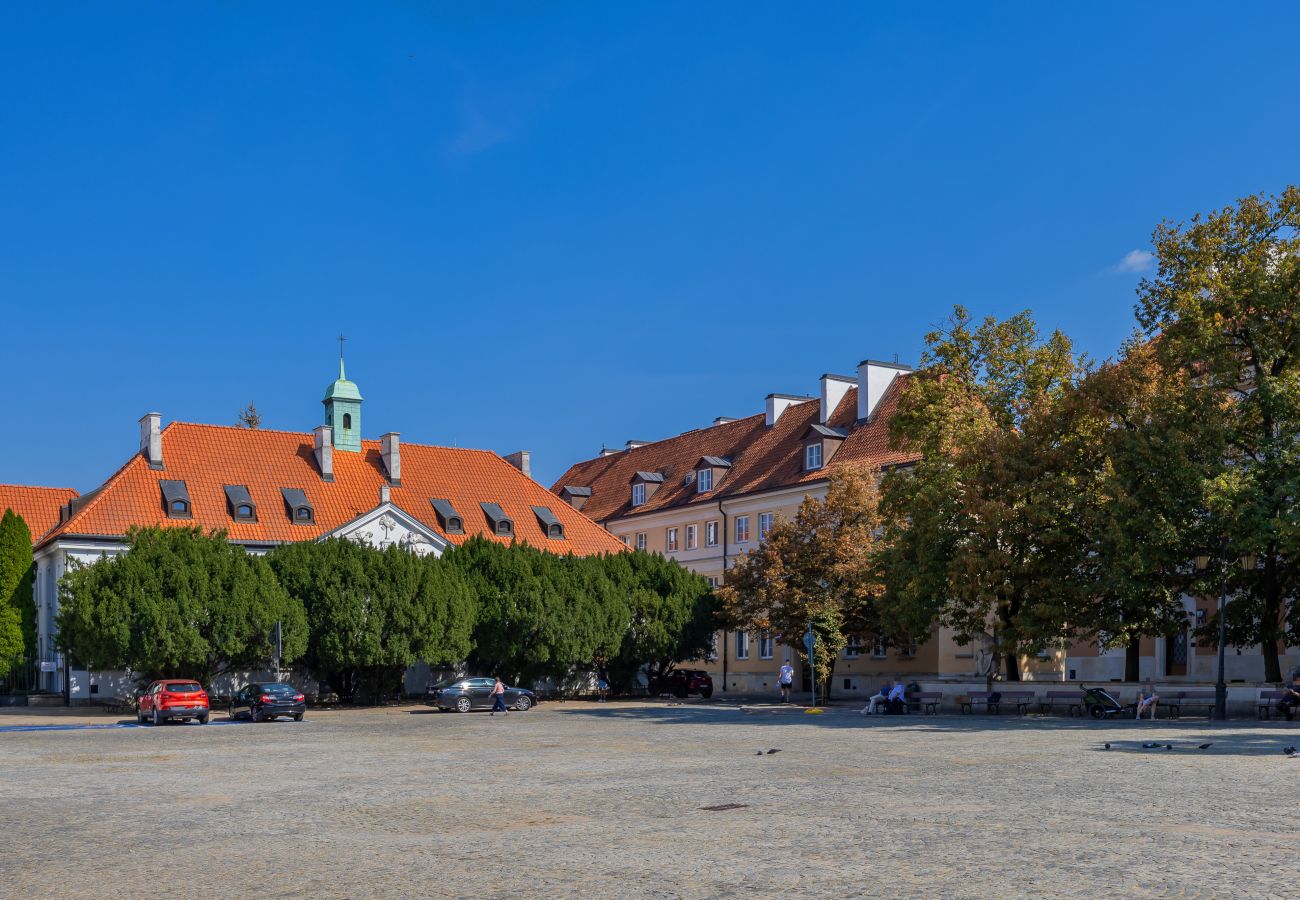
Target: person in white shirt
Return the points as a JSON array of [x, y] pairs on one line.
[[890, 690], [786, 681]]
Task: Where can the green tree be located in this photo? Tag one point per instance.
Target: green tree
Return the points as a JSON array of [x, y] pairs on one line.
[[966, 526], [1222, 307], [816, 571], [672, 615], [179, 602], [372, 613], [249, 417], [17, 606]]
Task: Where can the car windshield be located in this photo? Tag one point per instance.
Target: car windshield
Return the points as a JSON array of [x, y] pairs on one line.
[[278, 689], [445, 683], [183, 687]]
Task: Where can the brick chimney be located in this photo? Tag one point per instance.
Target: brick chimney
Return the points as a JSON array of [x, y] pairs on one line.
[[834, 387], [874, 378], [390, 448], [521, 460], [324, 451], [151, 439]]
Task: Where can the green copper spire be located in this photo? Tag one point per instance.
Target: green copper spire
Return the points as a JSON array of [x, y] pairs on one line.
[[343, 409]]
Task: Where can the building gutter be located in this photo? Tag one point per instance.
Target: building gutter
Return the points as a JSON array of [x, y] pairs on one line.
[[723, 512]]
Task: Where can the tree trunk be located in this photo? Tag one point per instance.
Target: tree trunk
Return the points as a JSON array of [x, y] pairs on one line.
[[1132, 659], [830, 677], [1013, 664], [1270, 622]]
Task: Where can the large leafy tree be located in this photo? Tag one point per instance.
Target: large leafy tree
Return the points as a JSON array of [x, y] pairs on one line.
[[968, 527], [17, 606], [1223, 309], [672, 615], [372, 613], [814, 571], [539, 615], [179, 602]]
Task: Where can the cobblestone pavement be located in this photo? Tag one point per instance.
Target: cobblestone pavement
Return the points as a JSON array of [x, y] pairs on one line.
[[605, 801]]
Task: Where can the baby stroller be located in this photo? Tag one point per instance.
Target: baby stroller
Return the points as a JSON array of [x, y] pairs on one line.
[[1101, 705]]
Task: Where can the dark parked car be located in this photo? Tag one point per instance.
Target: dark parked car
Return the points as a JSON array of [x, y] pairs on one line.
[[464, 694], [266, 701], [684, 682], [173, 698]]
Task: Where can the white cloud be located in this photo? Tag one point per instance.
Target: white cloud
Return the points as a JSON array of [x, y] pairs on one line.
[[1137, 261]]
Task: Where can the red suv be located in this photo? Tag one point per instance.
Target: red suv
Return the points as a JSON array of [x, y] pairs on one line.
[[176, 698], [684, 682]]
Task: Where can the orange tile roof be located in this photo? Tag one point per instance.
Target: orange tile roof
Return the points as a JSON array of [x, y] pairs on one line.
[[762, 458], [207, 457], [39, 506]]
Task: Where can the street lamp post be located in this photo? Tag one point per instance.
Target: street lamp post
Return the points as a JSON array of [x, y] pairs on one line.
[[1221, 685]]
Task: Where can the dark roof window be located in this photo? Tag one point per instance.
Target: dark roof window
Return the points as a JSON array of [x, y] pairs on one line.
[[176, 499], [714, 462], [655, 477], [553, 527], [300, 508], [241, 505], [577, 491], [451, 521], [827, 431], [502, 525]]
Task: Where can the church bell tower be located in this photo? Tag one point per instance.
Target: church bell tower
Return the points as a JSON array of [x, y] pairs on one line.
[[343, 410]]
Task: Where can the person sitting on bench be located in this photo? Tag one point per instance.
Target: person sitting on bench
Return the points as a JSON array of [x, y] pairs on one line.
[[1147, 699], [1290, 697], [878, 700]]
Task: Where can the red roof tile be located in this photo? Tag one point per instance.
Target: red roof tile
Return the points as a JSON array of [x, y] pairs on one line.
[[207, 457], [39, 506], [763, 459]]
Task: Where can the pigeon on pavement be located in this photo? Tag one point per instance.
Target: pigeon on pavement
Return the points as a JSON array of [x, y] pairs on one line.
[[1205, 746], [773, 750]]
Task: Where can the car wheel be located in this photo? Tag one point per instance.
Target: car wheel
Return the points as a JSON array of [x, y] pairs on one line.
[[203, 720], [463, 704], [157, 719], [706, 693], [680, 693], [254, 715], [297, 717], [231, 714], [523, 703]]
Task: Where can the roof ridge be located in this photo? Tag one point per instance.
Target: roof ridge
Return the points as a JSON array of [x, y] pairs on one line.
[[95, 496], [309, 435], [37, 487]]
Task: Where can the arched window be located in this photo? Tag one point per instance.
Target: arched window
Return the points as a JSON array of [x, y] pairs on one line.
[[180, 508], [244, 511], [303, 514], [347, 421], [505, 529]]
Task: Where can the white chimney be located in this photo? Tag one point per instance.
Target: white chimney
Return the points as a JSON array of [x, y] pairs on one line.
[[723, 420], [874, 378], [385, 494], [390, 448], [608, 451], [151, 439], [834, 387], [633, 444], [779, 403], [521, 460], [324, 451]]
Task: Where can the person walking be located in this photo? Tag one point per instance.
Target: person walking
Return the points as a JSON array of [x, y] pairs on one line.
[[499, 698], [786, 680]]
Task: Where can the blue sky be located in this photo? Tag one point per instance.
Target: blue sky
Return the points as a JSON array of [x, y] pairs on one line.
[[552, 225]]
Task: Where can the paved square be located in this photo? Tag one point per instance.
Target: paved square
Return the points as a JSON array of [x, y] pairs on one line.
[[582, 799]]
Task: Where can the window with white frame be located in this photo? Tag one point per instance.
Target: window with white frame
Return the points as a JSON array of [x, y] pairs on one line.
[[625, 539], [852, 649], [742, 645], [638, 494], [812, 456], [640, 540], [765, 521], [742, 529], [879, 649], [714, 581], [704, 480], [671, 543], [765, 645], [692, 537], [909, 648], [711, 534]]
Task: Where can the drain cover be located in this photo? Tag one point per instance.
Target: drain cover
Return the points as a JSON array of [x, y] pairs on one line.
[[723, 807]]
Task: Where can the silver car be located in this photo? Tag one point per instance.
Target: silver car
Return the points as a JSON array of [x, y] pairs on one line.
[[464, 694]]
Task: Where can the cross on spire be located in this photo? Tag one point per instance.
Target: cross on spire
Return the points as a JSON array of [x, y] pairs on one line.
[[341, 340]]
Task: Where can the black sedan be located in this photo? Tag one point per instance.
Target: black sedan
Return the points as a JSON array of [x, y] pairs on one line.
[[261, 702], [464, 694]]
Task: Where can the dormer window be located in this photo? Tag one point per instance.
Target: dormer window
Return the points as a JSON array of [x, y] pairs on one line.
[[575, 495], [301, 512], [812, 457], [176, 499], [502, 525], [551, 525], [450, 520], [638, 493], [241, 505], [704, 481], [709, 471]]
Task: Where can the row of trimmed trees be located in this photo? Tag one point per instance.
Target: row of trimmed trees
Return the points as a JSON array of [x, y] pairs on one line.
[[1054, 500], [182, 602], [17, 606]]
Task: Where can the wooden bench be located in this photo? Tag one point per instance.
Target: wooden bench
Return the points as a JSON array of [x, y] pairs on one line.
[[925, 701], [1268, 701], [974, 699], [1020, 699], [1071, 700], [1177, 701]]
